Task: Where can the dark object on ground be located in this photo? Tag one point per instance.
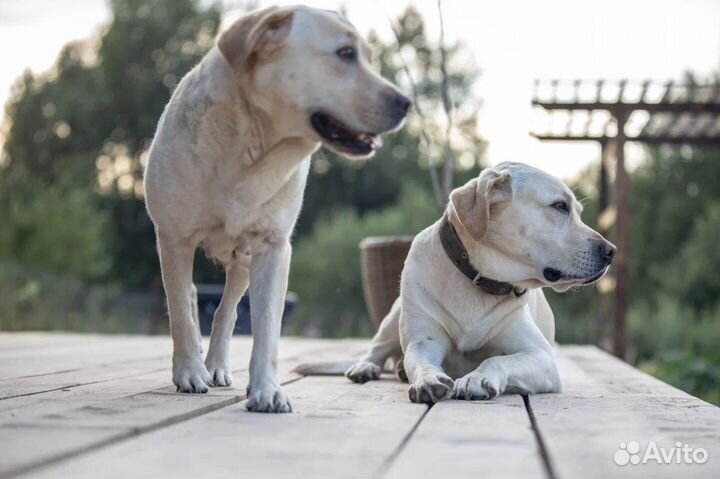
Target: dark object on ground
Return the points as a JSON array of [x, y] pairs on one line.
[[209, 296]]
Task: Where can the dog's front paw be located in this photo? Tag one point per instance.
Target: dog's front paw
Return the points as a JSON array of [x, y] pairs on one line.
[[476, 386], [190, 375], [267, 398], [363, 371], [220, 371], [430, 388]]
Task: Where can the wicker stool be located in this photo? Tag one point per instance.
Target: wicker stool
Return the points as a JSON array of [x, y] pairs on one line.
[[381, 262]]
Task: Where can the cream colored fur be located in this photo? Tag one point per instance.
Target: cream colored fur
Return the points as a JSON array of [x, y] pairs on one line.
[[459, 341], [227, 170]]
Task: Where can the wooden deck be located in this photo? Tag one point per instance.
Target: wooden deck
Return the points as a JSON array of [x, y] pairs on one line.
[[84, 406]]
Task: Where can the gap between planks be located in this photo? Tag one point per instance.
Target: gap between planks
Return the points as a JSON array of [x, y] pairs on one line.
[[542, 447], [387, 463]]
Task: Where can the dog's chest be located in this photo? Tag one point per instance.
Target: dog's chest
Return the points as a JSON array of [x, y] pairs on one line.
[[473, 323], [240, 225]]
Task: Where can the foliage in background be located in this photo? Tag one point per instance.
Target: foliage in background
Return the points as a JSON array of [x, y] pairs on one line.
[[325, 270], [85, 124], [55, 228], [678, 344], [671, 192], [37, 300]]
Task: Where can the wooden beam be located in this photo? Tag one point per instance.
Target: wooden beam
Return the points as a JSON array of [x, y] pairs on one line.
[[668, 92], [598, 93], [709, 141], [643, 93], [627, 108], [576, 89], [622, 273], [621, 91], [603, 180]]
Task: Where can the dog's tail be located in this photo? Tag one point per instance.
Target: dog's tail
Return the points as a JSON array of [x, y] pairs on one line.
[[325, 368]]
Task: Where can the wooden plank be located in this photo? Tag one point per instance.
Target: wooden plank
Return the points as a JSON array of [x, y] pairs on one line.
[[20, 340], [122, 412], [337, 429], [65, 379], [485, 439], [607, 403], [47, 358], [68, 397], [96, 362]]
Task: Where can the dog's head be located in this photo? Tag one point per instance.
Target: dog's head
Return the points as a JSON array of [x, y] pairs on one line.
[[531, 220], [310, 69]]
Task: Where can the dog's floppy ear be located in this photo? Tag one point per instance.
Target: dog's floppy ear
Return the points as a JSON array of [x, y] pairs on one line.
[[258, 33], [471, 202]]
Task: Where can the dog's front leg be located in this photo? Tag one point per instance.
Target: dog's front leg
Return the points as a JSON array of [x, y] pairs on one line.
[[268, 286], [176, 263], [426, 346], [385, 344], [526, 365]]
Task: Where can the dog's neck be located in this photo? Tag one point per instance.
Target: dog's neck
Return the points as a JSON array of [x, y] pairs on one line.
[[262, 130], [259, 128], [458, 254], [493, 263]]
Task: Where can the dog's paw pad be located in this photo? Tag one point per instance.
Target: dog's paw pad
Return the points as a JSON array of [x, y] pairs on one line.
[[430, 389], [363, 372], [268, 399], [191, 376]]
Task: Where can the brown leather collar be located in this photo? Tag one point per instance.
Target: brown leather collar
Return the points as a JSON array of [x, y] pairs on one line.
[[458, 255]]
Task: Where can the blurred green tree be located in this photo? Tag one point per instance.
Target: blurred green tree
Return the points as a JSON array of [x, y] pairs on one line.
[[672, 190], [85, 125]]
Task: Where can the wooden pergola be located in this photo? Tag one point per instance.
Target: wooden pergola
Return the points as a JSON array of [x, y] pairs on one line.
[[611, 114]]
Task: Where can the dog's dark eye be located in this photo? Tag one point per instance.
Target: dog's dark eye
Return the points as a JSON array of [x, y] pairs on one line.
[[561, 206], [348, 54]]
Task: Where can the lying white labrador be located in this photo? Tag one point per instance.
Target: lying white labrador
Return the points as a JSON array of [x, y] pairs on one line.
[[228, 167], [471, 320]]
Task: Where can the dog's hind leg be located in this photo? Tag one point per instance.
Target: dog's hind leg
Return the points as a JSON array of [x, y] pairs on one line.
[[385, 344], [237, 277], [176, 262]]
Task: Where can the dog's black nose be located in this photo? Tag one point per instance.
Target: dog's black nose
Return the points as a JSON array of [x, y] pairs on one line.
[[607, 251], [402, 104]]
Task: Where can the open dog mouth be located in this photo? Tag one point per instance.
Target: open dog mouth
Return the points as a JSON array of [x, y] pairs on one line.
[[342, 138]]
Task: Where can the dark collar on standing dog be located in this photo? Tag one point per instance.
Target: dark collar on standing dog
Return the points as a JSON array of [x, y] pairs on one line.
[[459, 256]]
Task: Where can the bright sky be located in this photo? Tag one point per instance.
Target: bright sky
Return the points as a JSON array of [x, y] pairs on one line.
[[512, 41]]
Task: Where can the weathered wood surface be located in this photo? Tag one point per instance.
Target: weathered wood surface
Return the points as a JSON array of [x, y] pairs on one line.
[[103, 406]]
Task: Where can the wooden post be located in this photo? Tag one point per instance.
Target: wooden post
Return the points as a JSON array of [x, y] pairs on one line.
[[603, 186], [620, 264]]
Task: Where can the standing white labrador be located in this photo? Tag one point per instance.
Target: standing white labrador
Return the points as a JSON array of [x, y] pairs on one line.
[[471, 320], [228, 167]]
